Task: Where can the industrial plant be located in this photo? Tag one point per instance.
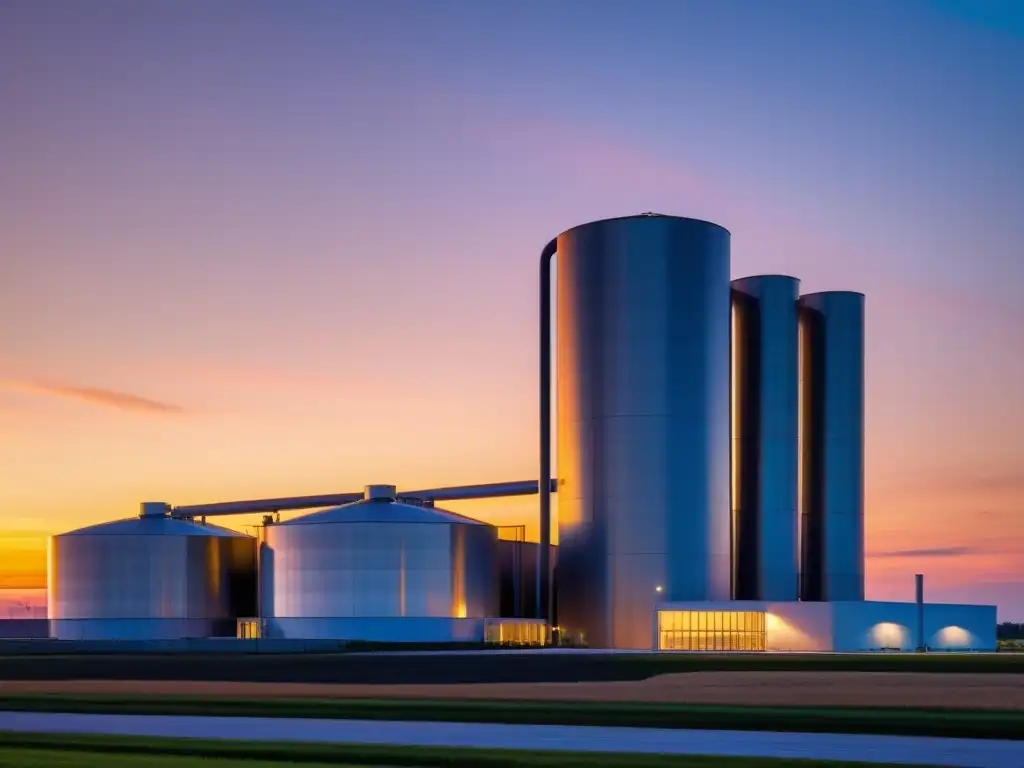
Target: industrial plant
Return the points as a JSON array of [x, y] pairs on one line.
[[708, 472]]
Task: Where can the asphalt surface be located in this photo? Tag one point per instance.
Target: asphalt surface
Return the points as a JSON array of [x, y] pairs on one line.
[[959, 753]]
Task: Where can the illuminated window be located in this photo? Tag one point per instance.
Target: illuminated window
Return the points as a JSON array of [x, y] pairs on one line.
[[249, 629], [711, 631], [515, 632]]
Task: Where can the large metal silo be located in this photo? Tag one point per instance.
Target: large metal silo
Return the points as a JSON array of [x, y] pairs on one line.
[[765, 440], [150, 577], [642, 339], [380, 569], [832, 445]]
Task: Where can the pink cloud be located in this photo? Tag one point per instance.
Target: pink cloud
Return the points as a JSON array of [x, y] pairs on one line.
[[106, 398]]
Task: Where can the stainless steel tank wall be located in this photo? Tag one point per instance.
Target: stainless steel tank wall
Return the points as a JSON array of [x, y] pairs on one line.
[[765, 442], [642, 340], [368, 569], [149, 586], [832, 445]]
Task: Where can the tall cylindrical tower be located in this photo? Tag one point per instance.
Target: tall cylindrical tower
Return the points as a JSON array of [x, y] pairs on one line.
[[832, 445], [642, 341], [765, 453]]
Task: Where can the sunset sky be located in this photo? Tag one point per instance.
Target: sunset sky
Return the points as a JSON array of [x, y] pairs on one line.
[[281, 248]]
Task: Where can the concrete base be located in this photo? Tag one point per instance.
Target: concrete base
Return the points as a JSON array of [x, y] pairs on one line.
[[384, 630]]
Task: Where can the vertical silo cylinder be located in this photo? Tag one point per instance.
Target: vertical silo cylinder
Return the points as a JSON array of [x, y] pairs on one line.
[[642, 346], [832, 445], [765, 425]]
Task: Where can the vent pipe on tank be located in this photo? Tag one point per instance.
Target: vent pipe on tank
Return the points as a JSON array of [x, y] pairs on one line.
[[154, 509], [380, 492], [544, 486]]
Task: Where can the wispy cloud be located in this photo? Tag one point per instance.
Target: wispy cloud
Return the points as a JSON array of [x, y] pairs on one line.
[[106, 398], [951, 479], [933, 552]]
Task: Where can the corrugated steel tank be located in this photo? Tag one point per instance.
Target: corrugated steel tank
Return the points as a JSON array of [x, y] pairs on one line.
[[832, 445], [642, 341], [150, 577], [765, 428], [380, 569]]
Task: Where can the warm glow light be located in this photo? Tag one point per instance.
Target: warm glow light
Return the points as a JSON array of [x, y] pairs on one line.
[[953, 637], [887, 634], [781, 634], [658, 588]]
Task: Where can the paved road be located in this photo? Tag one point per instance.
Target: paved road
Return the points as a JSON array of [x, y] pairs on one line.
[[965, 753]]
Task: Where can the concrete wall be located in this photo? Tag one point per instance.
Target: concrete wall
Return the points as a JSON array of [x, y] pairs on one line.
[[140, 629], [793, 626], [860, 626], [387, 629], [872, 626], [950, 627], [209, 645]]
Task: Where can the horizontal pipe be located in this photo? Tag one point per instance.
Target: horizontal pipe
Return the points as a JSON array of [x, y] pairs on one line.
[[265, 505], [485, 491], [452, 493]]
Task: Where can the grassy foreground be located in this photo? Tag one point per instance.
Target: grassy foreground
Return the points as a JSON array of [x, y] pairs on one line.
[[52, 751], [905, 722], [517, 667]]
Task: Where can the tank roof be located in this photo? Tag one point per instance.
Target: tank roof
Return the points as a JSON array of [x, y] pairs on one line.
[[832, 293], [648, 216], [767, 275], [154, 526], [381, 511]]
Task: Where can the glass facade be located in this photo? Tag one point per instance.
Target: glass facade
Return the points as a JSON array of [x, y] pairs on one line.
[[249, 629], [516, 631], [711, 631]]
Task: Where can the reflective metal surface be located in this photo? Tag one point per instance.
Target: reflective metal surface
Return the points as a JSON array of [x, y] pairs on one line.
[[151, 577], [379, 559], [765, 443], [643, 422], [832, 445]]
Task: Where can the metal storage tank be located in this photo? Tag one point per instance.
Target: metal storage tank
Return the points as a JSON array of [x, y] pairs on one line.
[[765, 435], [832, 445], [642, 340], [380, 569], [150, 577]]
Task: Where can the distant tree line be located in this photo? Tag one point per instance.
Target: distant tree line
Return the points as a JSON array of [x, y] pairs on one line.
[[1010, 631]]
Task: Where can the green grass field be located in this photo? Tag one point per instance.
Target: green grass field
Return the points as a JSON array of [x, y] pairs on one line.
[[916, 722], [524, 667], [53, 751]]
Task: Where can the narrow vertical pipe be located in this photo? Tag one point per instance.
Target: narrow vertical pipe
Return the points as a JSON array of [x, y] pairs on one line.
[[919, 598], [517, 576], [544, 481]]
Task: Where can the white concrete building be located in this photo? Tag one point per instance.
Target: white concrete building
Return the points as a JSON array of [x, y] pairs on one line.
[[854, 626]]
